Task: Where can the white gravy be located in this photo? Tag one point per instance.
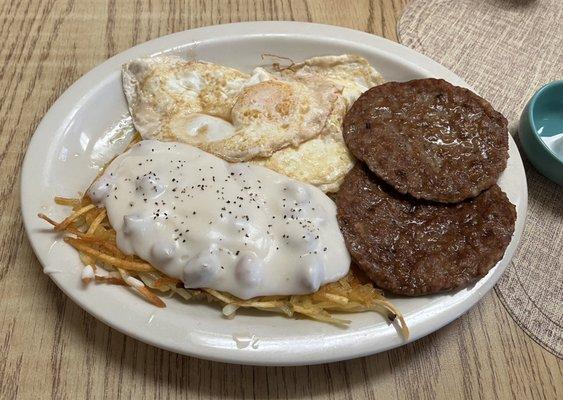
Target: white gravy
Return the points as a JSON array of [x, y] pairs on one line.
[[238, 228]]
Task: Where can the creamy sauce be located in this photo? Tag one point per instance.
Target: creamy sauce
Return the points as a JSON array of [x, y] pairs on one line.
[[237, 228]]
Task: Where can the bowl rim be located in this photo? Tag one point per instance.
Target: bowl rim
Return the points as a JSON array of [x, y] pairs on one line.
[[531, 120]]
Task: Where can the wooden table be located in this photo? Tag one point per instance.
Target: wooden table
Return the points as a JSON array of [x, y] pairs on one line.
[[49, 347]]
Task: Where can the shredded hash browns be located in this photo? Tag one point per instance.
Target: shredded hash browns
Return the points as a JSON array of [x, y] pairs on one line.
[[87, 229]]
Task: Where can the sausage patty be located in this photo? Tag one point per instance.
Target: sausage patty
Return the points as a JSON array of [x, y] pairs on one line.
[[428, 138], [413, 247]]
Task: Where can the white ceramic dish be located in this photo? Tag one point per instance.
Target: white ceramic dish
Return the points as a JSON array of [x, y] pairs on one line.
[[85, 127]]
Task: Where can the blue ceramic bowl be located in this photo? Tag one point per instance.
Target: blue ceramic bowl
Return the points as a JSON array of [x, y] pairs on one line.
[[541, 131]]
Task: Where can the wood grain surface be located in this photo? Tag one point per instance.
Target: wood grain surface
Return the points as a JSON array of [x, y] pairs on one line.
[[50, 348]]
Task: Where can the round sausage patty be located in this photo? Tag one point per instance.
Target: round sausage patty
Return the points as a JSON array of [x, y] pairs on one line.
[[428, 138], [412, 247]]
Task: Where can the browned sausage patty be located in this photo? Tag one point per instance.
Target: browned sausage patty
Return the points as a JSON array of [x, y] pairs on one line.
[[412, 247], [428, 138]]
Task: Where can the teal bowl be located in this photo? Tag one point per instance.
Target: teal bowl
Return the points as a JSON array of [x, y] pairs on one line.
[[541, 131]]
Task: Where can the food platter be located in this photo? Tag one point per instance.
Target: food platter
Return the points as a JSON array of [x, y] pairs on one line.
[[89, 124]]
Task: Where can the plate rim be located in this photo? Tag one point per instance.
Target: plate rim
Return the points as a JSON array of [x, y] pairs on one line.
[[265, 28]]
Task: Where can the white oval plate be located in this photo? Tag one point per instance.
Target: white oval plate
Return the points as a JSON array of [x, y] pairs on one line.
[[80, 133]]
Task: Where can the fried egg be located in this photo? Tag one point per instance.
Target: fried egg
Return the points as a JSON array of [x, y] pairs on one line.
[[325, 160], [286, 119], [351, 72], [161, 89], [322, 161], [265, 113], [274, 114]]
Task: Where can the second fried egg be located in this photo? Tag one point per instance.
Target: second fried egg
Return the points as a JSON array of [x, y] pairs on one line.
[[324, 160]]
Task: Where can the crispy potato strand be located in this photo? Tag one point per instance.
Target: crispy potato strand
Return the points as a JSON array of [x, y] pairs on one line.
[[97, 221], [64, 201], [140, 287], [106, 258], [72, 217], [88, 230]]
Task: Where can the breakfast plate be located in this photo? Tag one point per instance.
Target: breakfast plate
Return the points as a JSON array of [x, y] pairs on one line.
[[90, 124]]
